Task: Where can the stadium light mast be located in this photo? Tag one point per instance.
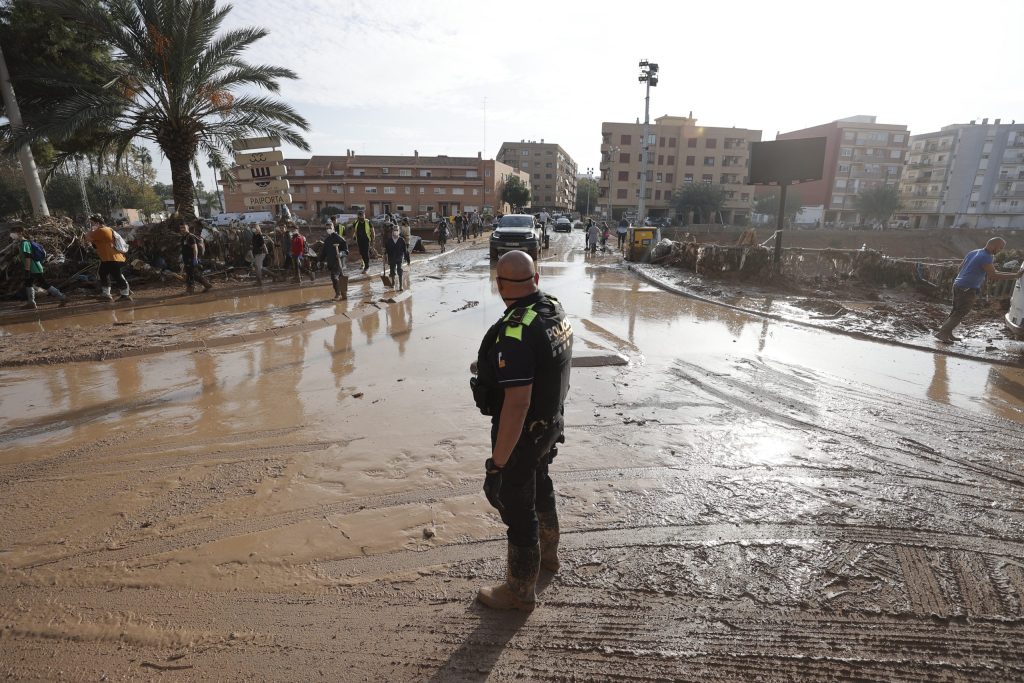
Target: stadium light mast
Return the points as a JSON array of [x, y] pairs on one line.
[[648, 75]]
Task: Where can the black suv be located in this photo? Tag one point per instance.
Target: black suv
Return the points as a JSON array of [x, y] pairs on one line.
[[516, 231]]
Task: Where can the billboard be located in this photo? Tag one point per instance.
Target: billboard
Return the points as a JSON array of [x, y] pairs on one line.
[[787, 161]]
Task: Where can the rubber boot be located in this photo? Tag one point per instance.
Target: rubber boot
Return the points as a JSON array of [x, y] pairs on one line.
[[519, 590], [548, 523], [53, 291], [337, 289], [30, 298], [105, 294], [343, 286]]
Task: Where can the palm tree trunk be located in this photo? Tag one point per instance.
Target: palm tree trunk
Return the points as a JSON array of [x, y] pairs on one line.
[[181, 180]]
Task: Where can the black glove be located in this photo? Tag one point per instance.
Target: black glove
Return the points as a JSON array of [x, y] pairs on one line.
[[492, 485]]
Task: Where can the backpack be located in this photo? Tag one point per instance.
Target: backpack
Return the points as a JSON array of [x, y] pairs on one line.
[[120, 246], [38, 253]]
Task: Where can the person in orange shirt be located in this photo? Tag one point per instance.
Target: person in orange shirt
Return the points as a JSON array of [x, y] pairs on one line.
[[111, 260]]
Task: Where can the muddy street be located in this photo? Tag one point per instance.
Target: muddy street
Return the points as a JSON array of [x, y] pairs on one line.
[[290, 490]]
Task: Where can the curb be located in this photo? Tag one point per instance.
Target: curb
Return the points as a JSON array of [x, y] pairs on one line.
[[823, 328]]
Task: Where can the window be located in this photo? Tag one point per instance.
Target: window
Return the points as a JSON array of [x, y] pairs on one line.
[[623, 158], [336, 189], [691, 161], [299, 172], [897, 138], [844, 168], [536, 176], [661, 142], [370, 190], [525, 164], [423, 190], [623, 175], [846, 151], [406, 172], [298, 206], [351, 189], [657, 194], [525, 153], [339, 173], [385, 171], [458, 190], [438, 190], [487, 173], [687, 177], [549, 165], [710, 143], [476, 191], [426, 173], [316, 189], [549, 153], [621, 194], [359, 171], [840, 183], [692, 143], [669, 177], [547, 176], [709, 161], [707, 178], [390, 190], [472, 174], [895, 154], [659, 178], [650, 139], [408, 190], [745, 196], [848, 135], [661, 160], [671, 160], [625, 139]]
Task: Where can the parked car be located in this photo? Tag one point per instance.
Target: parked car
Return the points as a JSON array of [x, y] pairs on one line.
[[579, 225], [516, 231], [563, 224]]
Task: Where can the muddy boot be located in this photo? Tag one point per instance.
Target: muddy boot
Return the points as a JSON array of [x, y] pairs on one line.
[[337, 290], [518, 590], [105, 294], [30, 298], [343, 287], [548, 522]]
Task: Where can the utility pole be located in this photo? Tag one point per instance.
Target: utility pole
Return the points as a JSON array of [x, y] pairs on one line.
[[28, 163], [612, 151], [648, 75], [590, 177]]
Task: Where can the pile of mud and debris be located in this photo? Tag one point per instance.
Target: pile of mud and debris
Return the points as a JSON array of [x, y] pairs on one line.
[[858, 291]]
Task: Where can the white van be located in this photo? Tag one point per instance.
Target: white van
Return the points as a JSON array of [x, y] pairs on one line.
[[1014, 318], [257, 217], [223, 219]]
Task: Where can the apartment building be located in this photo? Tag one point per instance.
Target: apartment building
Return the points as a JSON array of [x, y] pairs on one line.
[[860, 153], [412, 185], [680, 152], [552, 172], [965, 175]]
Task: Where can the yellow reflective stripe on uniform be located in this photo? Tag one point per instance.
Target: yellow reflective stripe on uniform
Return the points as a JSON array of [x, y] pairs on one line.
[[530, 315], [515, 332]]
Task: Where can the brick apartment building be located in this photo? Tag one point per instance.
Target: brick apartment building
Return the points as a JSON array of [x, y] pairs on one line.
[[552, 172], [965, 175], [680, 152], [859, 154], [412, 185]]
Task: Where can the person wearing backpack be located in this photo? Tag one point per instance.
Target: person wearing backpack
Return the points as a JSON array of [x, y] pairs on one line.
[[111, 249], [190, 252], [33, 256]]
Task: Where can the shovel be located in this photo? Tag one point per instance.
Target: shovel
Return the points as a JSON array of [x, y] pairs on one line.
[[384, 277]]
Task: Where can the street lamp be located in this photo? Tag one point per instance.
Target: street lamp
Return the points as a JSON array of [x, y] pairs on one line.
[[590, 177], [648, 75]]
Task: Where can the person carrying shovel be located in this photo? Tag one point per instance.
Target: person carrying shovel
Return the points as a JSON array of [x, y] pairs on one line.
[[395, 250]]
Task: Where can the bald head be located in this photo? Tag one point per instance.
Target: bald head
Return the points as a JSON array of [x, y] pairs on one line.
[[995, 245], [517, 275]]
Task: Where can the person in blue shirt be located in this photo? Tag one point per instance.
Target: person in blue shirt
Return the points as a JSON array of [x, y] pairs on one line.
[[33, 270], [976, 266]]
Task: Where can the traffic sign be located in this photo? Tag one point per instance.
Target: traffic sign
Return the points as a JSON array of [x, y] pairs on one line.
[[268, 185], [261, 172], [255, 143], [258, 158], [263, 201]]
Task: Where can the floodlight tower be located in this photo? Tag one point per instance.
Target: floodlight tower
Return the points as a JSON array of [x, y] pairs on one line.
[[648, 75]]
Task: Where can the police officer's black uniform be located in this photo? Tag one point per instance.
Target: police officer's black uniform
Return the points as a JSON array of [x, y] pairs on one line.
[[531, 344]]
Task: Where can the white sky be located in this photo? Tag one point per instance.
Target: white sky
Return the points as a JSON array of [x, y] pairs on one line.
[[391, 76]]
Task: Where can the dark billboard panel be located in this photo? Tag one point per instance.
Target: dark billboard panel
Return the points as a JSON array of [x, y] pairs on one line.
[[787, 161]]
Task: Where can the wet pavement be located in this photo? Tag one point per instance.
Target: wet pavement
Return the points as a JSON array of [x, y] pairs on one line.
[[745, 499]]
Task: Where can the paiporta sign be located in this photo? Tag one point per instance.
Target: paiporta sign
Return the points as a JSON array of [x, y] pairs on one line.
[[268, 187], [259, 158], [263, 201], [261, 172]]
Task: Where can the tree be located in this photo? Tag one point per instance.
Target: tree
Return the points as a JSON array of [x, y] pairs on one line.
[[769, 205], [587, 195], [330, 211], [878, 204], [170, 80], [515, 193], [703, 199], [13, 197]]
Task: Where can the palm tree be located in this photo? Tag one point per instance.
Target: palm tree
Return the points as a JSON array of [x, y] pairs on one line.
[[171, 81]]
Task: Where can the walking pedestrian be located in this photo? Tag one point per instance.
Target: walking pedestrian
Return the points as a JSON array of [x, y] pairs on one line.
[[112, 259], [459, 224], [976, 266], [605, 234], [298, 253], [395, 250], [284, 246], [363, 230], [477, 224], [259, 253], [523, 367], [592, 236], [621, 231], [465, 227], [442, 232], [333, 254], [33, 255], [190, 253]]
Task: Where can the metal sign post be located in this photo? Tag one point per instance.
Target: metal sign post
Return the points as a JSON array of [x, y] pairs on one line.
[[267, 187]]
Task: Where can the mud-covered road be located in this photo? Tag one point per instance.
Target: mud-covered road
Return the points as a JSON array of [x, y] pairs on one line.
[[744, 500]]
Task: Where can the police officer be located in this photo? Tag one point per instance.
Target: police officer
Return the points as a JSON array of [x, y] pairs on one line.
[[523, 365], [364, 233]]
